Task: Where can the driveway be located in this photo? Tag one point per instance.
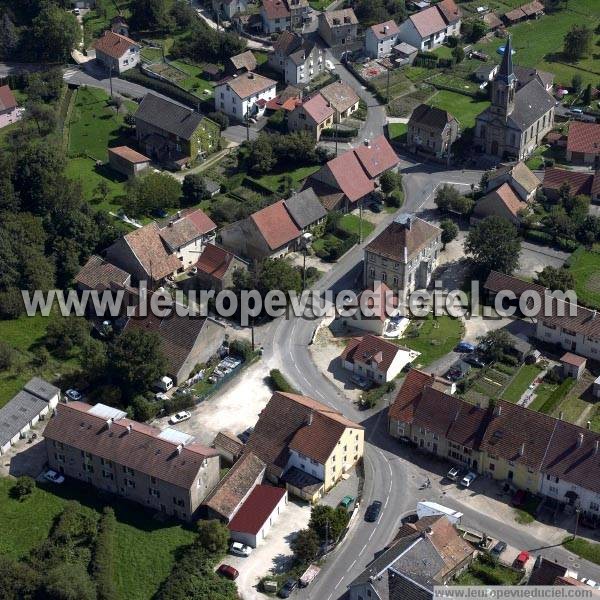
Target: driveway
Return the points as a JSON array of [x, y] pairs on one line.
[[534, 258], [26, 457], [273, 554]]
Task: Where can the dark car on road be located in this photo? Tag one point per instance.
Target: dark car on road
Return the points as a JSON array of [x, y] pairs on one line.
[[228, 571], [498, 549], [372, 513], [465, 347], [288, 587]]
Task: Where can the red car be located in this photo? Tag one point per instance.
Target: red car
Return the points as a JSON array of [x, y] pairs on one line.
[[228, 571], [521, 560]]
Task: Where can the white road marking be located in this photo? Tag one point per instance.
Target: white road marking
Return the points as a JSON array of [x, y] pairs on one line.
[[363, 549], [350, 567], [338, 583], [372, 534]]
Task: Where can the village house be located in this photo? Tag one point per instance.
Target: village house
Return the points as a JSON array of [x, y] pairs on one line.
[[404, 255], [431, 27], [376, 156], [342, 98], [9, 111], [215, 268], [33, 403], [127, 161], [117, 53], [306, 210], [227, 9], [300, 60], [143, 254], [306, 445], [521, 179], [577, 182], [338, 27], [245, 95], [98, 274], [167, 471], [185, 341], [424, 554], [380, 301], [380, 39], [501, 202], [518, 118], [119, 25], [432, 131], [267, 233], [241, 63], [375, 359], [583, 144], [313, 115], [186, 234], [173, 134], [229, 446], [572, 365]]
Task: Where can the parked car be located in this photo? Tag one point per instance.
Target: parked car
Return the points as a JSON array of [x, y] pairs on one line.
[[182, 415], [240, 549], [464, 347], [72, 394], [453, 474], [329, 65], [373, 511], [521, 560], [228, 571], [288, 587], [53, 476], [589, 582], [498, 549], [475, 359], [468, 479], [346, 502]]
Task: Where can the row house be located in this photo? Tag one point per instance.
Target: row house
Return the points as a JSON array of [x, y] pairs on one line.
[[166, 471], [283, 15]]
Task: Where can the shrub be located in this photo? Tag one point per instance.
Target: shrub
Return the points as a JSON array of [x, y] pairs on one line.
[[23, 487], [242, 348], [279, 383], [538, 236], [213, 536], [104, 561], [508, 359], [395, 199]]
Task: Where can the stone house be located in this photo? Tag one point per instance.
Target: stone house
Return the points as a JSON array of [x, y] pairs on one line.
[[432, 131], [338, 27]]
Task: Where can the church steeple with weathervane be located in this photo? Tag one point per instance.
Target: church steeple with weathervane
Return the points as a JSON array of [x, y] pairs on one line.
[[504, 84]]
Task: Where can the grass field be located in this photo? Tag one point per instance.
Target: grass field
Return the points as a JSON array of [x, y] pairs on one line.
[[463, 108], [397, 130], [433, 337], [585, 266], [538, 43], [351, 224], [520, 382], [276, 181], [588, 550], [483, 573], [145, 549]]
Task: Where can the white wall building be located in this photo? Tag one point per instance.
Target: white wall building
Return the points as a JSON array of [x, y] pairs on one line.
[[380, 39], [117, 52], [244, 95]]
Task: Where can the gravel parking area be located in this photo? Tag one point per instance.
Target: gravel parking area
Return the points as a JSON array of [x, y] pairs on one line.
[[25, 458]]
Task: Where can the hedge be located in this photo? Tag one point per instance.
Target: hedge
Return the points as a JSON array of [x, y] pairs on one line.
[[538, 236], [104, 560], [279, 383], [341, 133]]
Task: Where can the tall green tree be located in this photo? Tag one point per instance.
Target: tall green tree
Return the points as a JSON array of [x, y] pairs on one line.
[[449, 231], [213, 536], [556, 278], [152, 15], [577, 42], [55, 33], [494, 244]]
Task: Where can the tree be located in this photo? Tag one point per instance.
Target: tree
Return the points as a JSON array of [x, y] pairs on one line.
[[9, 37], [23, 487], [136, 360], [153, 192], [193, 189], [277, 274], [55, 33], [18, 581], [445, 196], [577, 42], [587, 95], [556, 278], [389, 182], [68, 581], [261, 158], [66, 334], [328, 522], [144, 409], [551, 6], [576, 83], [117, 102], [183, 14], [103, 189], [449, 231], [7, 356], [213, 536], [495, 344], [305, 546], [494, 244], [458, 54], [151, 15]]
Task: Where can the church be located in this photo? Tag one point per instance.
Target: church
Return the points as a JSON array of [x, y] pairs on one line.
[[521, 114]]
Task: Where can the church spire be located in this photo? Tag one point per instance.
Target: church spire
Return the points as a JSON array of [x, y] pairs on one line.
[[506, 72]]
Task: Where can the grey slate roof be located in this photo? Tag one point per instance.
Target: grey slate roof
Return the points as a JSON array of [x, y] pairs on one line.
[[169, 116], [25, 406], [532, 102], [305, 208], [430, 116]]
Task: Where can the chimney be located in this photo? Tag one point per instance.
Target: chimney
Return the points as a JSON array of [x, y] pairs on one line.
[[560, 415], [579, 440], [405, 254], [386, 28], [498, 410], [109, 422], [309, 419], [250, 75], [129, 428], [596, 446], [522, 449], [179, 448], [408, 222], [367, 143], [588, 425]]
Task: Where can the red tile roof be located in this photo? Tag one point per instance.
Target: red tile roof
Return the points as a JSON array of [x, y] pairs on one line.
[[504, 195], [318, 109], [214, 261], [113, 44], [579, 182], [129, 154], [255, 511], [372, 350], [573, 359], [408, 395], [140, 448], [7, 98], [275, 225], [380, 32], [203, 223], [377, 157], [340, 95], [450, 12], [350, 176], [275, 9], [584, 137], [428, 21], [497, 282], [98, 274]]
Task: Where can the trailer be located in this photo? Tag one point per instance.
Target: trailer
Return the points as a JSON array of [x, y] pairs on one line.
[[309, 575]]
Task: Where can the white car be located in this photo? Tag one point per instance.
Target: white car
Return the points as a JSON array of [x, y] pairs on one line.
[[589, 582], [468, 479], [73, 394], [182, 415], [453, 474], [240, 549], [329, 65], [53, 476]]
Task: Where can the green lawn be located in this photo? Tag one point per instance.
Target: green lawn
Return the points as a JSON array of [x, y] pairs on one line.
[[542, 393], [397, 130], [538, 43], [352, 224], [433, 337], [145, 551], [319, 4], [520, 383], [588, 550], [276, 181], [463, 108], [482, 573], [585, 266], [443, 52]]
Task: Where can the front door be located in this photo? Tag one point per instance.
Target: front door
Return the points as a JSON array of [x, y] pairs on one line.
[[510, 475]]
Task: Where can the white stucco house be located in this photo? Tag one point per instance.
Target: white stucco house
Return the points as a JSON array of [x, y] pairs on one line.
[[380, 39], [117, 52], [244, 95]]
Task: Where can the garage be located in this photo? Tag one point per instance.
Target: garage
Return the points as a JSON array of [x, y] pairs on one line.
[[256, 516]]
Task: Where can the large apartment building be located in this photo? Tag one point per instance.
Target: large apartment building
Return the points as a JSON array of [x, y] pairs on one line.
[[166, 470]]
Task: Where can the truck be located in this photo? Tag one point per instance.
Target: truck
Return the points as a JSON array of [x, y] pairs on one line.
[[309, 575]]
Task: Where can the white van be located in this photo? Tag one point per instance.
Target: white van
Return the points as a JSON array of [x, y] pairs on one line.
[[164, 384]]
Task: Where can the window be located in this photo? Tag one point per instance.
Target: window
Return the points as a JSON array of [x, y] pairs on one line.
[[383, 276], [553, 489], [154, 492], [129, 483], [594, 506], [492, 467], [59, 457], [107, 474], [153, 479]]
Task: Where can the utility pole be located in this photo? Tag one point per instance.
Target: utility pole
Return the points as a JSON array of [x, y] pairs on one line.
[[360, 222], [577, 511], [387, 92], [110, 79], [326, 534], [304, 270], [248, 124], [336, 135]]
